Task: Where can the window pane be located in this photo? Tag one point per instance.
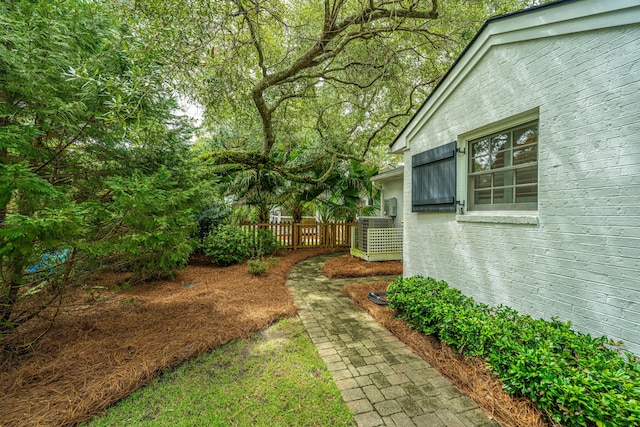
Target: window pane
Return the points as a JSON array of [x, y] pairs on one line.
[[500, 142], [503, 195], [525, 155], [480, 148], [482, 197], [480, 164], [501, 159], [526, 135], [482, 181], [527, 175], [503, 170], [527, 194], [501, 179]]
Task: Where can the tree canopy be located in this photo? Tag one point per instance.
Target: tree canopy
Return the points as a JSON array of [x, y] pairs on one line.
[[291, 85], [96, 163]]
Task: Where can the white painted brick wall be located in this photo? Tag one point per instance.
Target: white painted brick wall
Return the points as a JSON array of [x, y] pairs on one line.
[[393, 188], [582, 261]]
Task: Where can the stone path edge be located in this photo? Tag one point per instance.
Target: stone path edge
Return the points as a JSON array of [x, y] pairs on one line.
[[380, 379]]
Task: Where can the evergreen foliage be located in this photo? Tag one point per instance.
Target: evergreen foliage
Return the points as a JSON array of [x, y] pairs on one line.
[[210, 216], [93, 160], [577, 380]]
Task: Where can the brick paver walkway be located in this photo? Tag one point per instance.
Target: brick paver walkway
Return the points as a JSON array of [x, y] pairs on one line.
[[381, 380]]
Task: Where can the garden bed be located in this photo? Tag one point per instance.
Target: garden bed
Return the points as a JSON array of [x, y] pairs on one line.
[[350, 266], [103, 346]]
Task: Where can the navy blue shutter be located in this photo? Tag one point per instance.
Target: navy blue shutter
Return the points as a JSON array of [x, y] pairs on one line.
[[433, 180]]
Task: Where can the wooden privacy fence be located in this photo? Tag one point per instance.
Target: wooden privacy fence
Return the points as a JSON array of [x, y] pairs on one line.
[[295, 236]]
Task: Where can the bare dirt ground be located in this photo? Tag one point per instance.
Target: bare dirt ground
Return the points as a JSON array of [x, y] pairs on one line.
[[107, 345]]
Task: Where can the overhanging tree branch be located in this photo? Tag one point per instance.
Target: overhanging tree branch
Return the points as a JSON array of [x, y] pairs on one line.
[[331, 42]]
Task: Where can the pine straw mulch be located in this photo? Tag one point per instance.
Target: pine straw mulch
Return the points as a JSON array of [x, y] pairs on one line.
[[99, 352], [349, 266], [469, 375]]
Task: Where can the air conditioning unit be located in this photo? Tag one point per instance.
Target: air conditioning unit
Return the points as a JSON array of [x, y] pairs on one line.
[[367, 222], [391, 207]]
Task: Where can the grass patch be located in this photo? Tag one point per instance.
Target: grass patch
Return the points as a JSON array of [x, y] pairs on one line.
[[274, 377]]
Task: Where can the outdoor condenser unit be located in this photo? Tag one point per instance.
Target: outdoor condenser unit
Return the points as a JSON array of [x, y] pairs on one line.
[[367, 222]]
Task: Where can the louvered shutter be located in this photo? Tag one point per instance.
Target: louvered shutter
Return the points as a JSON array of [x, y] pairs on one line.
[[433, 180]]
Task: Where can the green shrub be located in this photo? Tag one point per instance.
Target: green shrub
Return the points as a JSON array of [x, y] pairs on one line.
[[257, 266], [229, 244], [148, 223], [573, 378], [265, 243]]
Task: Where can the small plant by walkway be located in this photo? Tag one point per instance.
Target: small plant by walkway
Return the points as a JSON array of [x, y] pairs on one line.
[[274, 377]]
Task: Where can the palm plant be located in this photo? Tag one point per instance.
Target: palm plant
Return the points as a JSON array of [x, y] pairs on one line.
[[346, 193], [256, 188]]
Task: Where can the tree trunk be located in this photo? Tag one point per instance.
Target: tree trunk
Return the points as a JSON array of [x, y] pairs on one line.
[[263, 214], [297, 213], [10, 286], [4, 159]]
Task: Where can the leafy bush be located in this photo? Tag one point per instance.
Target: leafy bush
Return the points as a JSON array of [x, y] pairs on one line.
[[229, 244], [211, 216], [575, 379], [259, 265]]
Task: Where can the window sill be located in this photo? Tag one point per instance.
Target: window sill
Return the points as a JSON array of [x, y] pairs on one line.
[[500, 218]]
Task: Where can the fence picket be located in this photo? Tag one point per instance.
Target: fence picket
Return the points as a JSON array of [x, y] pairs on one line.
[[295, 236]]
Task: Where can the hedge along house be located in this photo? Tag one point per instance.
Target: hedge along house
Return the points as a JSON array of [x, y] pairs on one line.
[[522, 168]]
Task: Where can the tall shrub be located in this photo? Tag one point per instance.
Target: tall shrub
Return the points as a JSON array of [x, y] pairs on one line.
[[92, 157], [149, 221]]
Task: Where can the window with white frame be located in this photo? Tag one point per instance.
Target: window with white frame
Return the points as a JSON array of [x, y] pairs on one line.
[[503, 169]]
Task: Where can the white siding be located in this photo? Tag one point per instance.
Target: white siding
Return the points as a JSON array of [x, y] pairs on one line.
[[581, 261], [393, 188]]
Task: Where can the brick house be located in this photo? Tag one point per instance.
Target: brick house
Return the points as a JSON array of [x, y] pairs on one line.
[[522, 169]]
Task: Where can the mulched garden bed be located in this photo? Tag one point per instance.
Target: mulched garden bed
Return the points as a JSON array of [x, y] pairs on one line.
[[349, 266], [102, 347]]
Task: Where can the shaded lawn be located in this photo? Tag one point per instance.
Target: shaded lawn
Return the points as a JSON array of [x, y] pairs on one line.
[[274, 377]]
